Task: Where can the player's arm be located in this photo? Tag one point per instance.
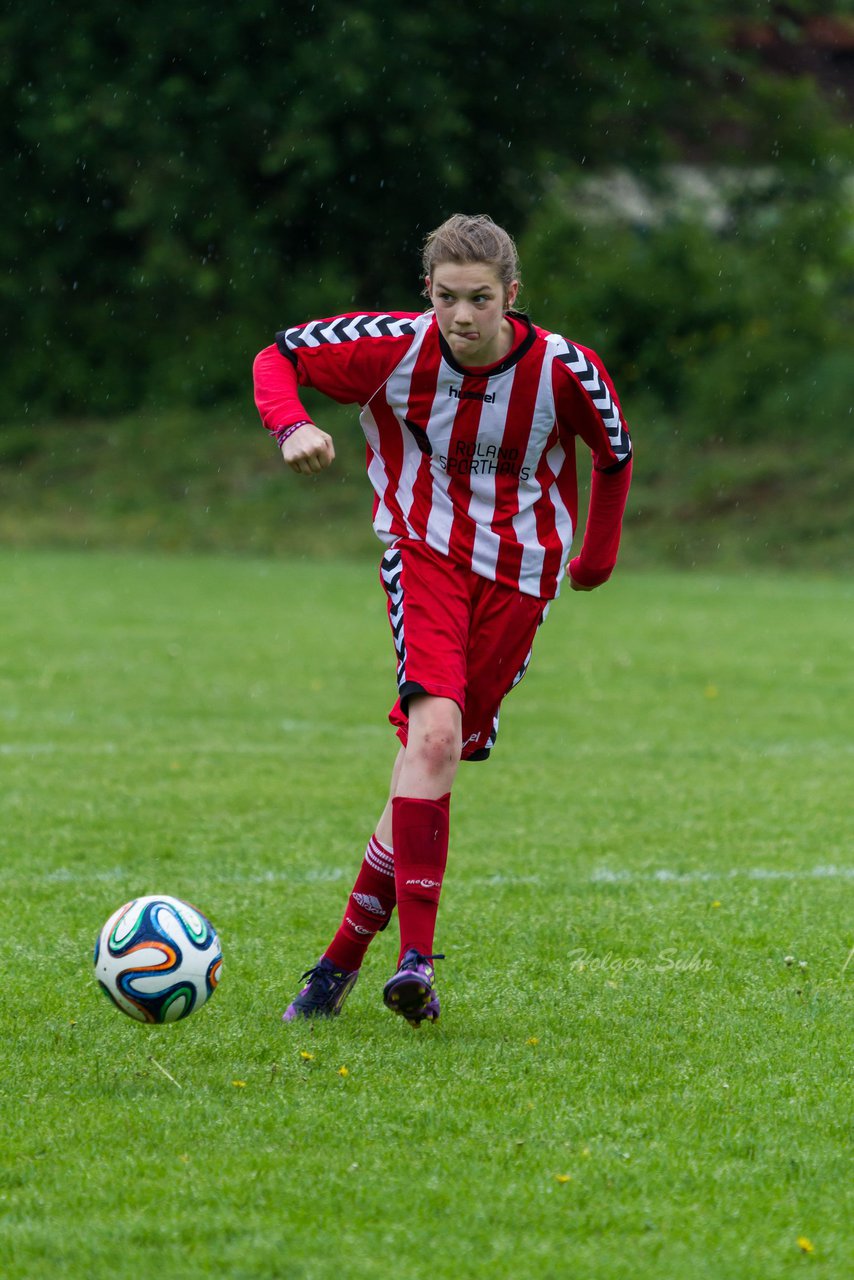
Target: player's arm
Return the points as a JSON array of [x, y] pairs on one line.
[[346, 358], [305, 447], [597, 559], [588, 404]]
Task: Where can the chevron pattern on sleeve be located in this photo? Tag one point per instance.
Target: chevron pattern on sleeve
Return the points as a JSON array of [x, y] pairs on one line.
[[590, 379], [346, 329]]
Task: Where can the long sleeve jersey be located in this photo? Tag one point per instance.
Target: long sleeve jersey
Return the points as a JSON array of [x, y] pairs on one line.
[[478, 463]]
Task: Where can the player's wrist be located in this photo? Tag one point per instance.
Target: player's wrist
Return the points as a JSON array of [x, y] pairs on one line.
[[586, 577], [282, 434]]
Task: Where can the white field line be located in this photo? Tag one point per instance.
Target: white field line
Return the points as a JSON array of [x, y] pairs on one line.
[[141, 738], [332, 875], [663, 875], [136, 741]]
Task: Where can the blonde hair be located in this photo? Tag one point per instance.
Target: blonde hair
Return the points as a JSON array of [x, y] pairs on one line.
[[469, 238]]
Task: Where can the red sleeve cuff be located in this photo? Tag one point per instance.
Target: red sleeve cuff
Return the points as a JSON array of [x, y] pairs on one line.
[[587, 577]]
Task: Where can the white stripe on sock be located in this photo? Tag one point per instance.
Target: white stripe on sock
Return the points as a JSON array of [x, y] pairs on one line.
[[379, 858]]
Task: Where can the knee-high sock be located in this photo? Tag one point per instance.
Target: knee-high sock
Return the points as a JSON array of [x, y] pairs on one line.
[[369, 907], [420, 832]]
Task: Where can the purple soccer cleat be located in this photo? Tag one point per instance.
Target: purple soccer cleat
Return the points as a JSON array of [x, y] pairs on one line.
[[324, 993], [411, 991]]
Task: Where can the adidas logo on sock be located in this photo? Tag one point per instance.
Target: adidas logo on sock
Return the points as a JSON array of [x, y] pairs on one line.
[[370, 903]]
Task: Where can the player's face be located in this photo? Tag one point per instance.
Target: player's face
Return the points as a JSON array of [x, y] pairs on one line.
[[470, 301]]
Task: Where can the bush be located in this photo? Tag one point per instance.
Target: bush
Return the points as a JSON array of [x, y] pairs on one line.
[[729, 317]]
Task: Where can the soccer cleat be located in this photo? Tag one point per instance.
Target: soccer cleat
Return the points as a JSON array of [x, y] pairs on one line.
[[324, 993], [411, 991]]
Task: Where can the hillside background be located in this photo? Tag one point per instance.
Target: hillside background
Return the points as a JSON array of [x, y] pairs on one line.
[[180, 184]]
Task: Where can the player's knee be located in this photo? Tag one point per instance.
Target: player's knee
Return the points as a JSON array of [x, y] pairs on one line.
[[435, 737], [437, 750]]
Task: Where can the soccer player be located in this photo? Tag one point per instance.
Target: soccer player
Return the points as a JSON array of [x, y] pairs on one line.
[[471, 415]]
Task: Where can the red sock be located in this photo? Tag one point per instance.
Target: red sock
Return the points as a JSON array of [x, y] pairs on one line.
[[368, 909], [420, 853]]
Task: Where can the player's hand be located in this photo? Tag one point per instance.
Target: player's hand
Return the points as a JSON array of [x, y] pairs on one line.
[[309, 450], [578, 586]]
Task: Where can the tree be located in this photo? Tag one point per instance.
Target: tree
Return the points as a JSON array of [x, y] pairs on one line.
[[181, 184]]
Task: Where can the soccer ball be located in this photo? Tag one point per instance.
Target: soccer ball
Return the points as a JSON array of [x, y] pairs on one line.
[[158, 959]]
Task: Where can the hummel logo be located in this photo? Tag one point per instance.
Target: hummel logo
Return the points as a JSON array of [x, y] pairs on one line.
[[426, 884], [370, 903], [458, 394]]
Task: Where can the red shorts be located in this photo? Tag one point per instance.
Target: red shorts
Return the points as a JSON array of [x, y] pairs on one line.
[[456, 635]]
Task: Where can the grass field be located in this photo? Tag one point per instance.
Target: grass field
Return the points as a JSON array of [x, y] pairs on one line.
[[628, 1081]]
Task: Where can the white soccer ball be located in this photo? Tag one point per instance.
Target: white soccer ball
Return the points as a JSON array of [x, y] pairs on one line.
[[158, 959]]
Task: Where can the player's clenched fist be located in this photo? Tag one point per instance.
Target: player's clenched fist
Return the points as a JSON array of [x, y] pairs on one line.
[[308, 450]]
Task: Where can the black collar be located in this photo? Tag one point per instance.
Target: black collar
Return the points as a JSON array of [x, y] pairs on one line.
[[492, 371]]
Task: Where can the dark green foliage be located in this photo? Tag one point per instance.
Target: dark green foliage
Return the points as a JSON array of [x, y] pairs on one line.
[[179, 182], [740, 331]]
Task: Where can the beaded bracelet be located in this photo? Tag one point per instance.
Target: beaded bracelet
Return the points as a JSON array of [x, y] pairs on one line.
[[282, 433]]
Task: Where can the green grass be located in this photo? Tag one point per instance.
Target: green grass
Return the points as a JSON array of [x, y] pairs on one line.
[[665, 819]]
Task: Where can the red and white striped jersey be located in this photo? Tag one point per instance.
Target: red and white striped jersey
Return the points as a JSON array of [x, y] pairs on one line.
[[478, 463]]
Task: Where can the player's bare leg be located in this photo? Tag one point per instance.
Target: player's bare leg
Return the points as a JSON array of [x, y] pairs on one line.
[[425, 769]]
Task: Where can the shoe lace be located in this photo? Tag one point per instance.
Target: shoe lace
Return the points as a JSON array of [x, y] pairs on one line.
[[325, 979]]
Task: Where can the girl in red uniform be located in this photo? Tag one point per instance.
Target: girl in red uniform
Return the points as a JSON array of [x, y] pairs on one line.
[[471, 414]]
